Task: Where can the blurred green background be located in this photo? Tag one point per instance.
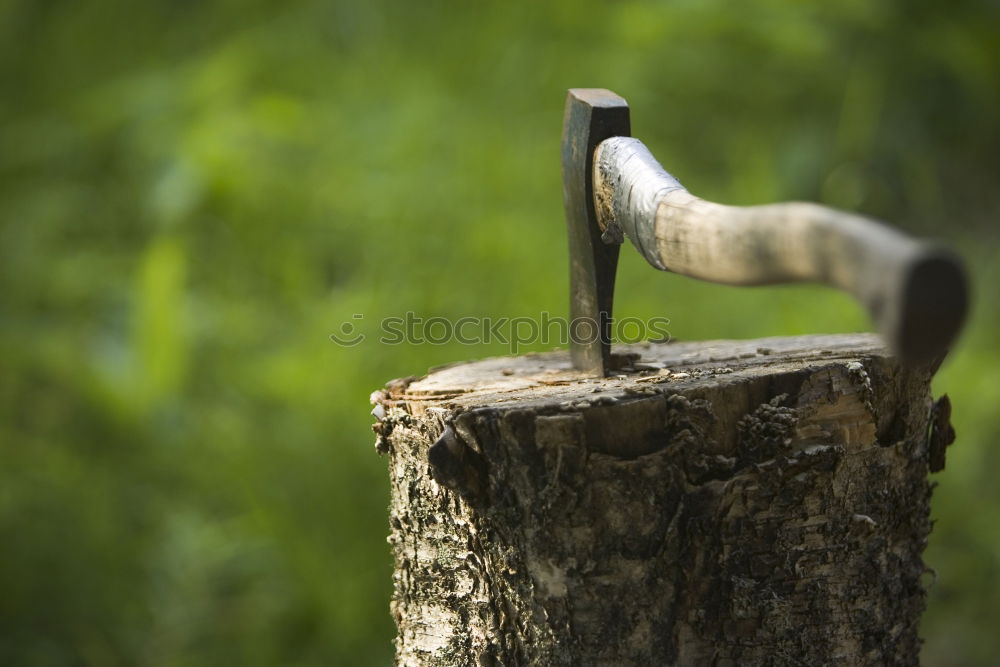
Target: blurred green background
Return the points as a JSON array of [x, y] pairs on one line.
[[194, 196]]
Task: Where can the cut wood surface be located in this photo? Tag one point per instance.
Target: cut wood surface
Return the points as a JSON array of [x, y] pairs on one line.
[[725, 502]]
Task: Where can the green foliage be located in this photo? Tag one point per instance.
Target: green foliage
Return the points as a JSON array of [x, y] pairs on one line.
[[194, 196]]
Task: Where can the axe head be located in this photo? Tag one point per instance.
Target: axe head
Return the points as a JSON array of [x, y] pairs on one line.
[[592, 115]]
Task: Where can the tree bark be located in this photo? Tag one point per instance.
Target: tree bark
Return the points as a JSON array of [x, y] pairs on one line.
[[728, 502]]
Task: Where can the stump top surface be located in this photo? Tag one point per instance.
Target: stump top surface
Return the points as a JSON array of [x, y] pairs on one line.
[[548, 377]]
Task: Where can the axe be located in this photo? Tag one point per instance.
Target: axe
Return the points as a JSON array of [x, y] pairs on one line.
[[915, 292]]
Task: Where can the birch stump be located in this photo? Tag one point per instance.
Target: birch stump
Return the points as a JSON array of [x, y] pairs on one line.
[[716, 503]]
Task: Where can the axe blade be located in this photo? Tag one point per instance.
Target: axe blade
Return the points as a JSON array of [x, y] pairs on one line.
[[592, 115]]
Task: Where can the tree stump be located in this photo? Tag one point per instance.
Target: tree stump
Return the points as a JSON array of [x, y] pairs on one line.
[[726, 502]]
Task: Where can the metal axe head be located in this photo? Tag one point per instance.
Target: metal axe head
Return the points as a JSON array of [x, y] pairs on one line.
[[915, 292], [592, 115]]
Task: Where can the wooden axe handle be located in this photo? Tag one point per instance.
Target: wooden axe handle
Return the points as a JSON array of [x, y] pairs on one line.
[[915, 292]]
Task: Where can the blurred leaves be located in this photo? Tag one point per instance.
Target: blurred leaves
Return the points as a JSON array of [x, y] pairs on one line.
[[194, 195]]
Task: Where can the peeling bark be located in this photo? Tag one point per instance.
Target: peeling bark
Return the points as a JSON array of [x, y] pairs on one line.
[[730, 502]]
